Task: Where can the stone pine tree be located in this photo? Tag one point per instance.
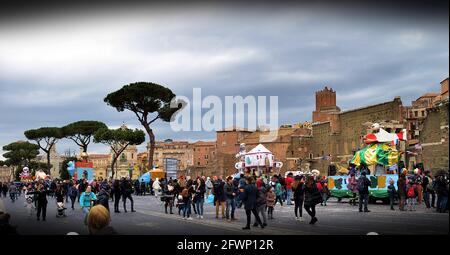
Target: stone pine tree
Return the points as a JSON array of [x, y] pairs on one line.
[[119, 140], [19, 154], [149, 102], [82, 132], [46, 138]]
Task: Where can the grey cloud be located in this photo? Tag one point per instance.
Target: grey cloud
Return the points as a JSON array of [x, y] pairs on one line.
[[288, 52]]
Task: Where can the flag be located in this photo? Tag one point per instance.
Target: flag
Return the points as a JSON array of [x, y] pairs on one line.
[[380, 153]]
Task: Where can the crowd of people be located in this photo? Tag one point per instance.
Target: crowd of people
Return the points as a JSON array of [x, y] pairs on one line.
[[258, 195]]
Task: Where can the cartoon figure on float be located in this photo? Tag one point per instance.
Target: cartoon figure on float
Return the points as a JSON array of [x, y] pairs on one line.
[[258, 161], [25, 175]]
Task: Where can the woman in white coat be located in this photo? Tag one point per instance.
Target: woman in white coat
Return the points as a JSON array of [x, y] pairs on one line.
[[157, 187]]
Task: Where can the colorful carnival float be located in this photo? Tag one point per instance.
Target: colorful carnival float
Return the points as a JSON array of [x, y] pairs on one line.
[[257, 161], [81, 169], [380, 151]]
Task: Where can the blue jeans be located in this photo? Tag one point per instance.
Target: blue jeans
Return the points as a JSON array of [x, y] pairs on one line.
[[363, 198], [187, 209], [86, 213], [199, 206], [231, 202], [426, 198], [289, 196], [442, 203]]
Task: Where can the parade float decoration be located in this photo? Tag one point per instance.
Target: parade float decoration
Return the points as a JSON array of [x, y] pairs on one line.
[[380, 151], [257, 161], [83, 169], [25, 175], [41, 175], [71, 168]]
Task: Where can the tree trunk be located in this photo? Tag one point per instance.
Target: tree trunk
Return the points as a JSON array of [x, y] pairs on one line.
[[48, 163], [112, 166], [152, 145], [84, 148]]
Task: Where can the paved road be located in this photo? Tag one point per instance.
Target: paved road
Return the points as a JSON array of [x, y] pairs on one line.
[[335, 219]]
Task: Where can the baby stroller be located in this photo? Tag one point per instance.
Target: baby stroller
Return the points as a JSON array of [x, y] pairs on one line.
[[61, 210]]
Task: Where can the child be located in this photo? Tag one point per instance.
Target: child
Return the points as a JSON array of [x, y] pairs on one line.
[[391, 192], [411, 197], [270, 198], [180, 204]]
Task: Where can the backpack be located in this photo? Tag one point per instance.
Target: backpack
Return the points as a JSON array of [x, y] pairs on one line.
[[361, 184], [411, 192]]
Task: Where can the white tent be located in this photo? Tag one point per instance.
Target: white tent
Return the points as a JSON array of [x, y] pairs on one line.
[[258, 157]]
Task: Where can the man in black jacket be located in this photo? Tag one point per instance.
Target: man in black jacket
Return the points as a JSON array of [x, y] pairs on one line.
[[219, 195], [249, 200], [231, 202], [127, 190], [363, 188]]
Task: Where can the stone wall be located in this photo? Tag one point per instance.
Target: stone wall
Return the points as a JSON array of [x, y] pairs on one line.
[[434, 139]]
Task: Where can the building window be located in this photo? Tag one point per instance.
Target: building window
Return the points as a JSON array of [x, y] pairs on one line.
[[206, 156], [423, 113], [415, 113]]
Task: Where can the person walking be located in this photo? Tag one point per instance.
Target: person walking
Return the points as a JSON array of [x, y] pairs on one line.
[[143, 187], [230, 202], [157, 187], [270, 201], [29, 199], [249, 201], [73, 194], [261, 203], [127, 190], [209, 186], [401, 186], [278, 192], [427, 187], [187, 200], [87, 199], [13, 192], [392, 193], [325, 192], [59, 195], [219, 196], [442, 189], [103, 195], [41, 198], [352, 186], [169, 197], [4, 189], [418, 181], [116, 193], [411, 194], [363, 189], [312, 198], [299, 195], [288, 181], [200, 190]]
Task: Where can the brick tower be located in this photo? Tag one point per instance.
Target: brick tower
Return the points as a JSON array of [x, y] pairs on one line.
[[325, 104]]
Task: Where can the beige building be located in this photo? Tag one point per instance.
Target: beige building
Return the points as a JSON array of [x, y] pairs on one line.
[[180, 150], [102, 165], [5, 173]]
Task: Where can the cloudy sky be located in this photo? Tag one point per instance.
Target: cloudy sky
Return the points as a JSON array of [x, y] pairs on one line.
[[56, 67]]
